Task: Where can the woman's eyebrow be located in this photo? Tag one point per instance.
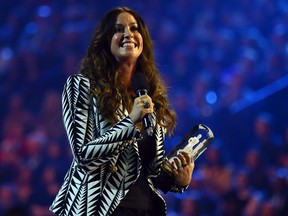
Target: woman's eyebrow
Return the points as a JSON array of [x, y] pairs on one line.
[[132, 23]]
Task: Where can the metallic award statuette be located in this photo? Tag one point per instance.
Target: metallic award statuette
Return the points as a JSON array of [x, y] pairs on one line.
[[195, 142]]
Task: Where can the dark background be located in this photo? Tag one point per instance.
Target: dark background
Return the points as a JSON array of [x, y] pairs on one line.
[[225, 63]]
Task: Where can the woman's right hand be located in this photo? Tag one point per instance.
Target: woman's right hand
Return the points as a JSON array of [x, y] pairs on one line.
[[142, 105]]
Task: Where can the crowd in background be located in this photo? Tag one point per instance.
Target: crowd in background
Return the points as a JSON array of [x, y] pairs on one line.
[[212, 54]]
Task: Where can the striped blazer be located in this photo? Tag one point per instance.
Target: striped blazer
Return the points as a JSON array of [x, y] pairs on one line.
[[105, 157]]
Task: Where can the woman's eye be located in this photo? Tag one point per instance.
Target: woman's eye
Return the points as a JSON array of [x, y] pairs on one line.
[[134, 28], [119, 29]]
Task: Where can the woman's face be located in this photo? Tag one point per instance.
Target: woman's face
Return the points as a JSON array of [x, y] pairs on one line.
[[127, 42]]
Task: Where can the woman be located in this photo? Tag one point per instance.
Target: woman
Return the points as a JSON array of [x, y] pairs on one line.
[[116, 168]]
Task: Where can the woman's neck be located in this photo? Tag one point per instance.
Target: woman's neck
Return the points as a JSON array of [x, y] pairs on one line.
[[125, 72]]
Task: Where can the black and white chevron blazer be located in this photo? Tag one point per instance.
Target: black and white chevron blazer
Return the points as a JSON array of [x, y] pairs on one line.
[[106, 159]]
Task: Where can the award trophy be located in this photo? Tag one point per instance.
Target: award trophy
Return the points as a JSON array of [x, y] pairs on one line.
[[195, 142]]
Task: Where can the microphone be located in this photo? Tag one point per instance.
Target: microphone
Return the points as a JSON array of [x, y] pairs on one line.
[[139, 85]]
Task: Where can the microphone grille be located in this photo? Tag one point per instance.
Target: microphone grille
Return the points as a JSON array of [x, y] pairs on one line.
[[139, 82]]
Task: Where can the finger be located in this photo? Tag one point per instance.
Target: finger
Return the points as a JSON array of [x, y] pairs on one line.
[[146, 104], [139, 101], [187, 156], [176, 169], [182, 159], [147, 98], [146, 101], [174, 166], [177, 162]]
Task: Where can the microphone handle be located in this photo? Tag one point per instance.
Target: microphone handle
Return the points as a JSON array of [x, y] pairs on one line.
[[147, 119]]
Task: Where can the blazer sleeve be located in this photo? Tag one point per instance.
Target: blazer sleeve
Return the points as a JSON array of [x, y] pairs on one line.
[[79, 127], [166, 182]]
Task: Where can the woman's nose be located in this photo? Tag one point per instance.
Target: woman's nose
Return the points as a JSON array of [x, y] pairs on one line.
[[128, 33]]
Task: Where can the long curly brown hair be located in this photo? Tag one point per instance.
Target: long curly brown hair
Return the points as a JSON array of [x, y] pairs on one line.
[[100, 66]]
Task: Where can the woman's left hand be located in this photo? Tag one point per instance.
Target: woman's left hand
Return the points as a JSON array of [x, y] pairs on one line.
[[182, 168]]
